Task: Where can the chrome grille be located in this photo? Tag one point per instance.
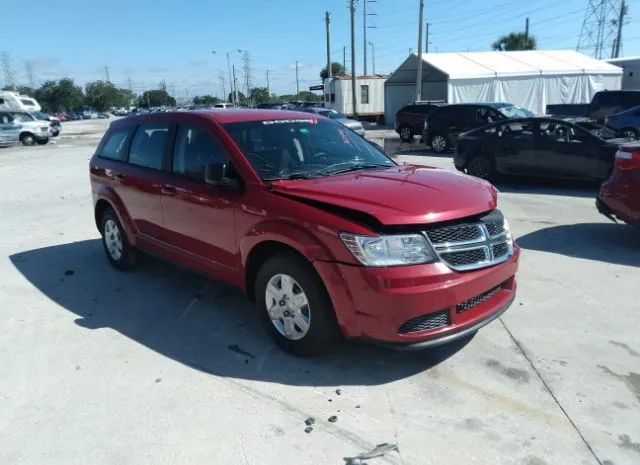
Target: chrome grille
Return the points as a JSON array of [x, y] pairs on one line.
[[425, 322], [477, 300], [500, 250], [461, 233], [475, 245], [465, 257]]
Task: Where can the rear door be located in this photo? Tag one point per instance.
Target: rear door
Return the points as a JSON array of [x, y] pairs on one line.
[[199, 218], [461, 118], [139, 182]]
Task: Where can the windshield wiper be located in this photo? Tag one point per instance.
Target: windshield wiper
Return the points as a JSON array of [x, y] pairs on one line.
[[360, 166]]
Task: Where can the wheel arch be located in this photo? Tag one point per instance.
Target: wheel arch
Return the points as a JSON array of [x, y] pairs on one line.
[[107, 198]]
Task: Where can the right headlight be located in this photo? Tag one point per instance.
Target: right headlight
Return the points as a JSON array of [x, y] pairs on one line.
[[389, 250]]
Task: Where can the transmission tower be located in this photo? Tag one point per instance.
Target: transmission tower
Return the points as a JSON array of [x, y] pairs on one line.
[[248, 74], [600, 27], [222, 86], [28, 70], [7, 70]]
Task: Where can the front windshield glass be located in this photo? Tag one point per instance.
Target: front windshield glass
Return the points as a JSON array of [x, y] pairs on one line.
[[515, 112], [332, 114], [23, 117], [300, 148]]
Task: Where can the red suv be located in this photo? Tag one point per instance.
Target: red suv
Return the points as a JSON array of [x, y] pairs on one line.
[[620, 194], [325, 234]]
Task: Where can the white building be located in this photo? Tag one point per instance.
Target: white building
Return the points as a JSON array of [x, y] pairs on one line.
[[631, 71], [531, 79], [369, 95]]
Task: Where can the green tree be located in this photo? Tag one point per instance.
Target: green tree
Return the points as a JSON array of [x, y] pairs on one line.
[[102, 95], [22, 90], [241, 97], [308, 96], [156, 98], [336, 70], [259, 95], [62, 95], [514, 41], [205, 100]]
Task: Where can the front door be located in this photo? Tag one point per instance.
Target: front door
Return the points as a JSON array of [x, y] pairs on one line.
[[199, 218], [568, 151], [515, 147]]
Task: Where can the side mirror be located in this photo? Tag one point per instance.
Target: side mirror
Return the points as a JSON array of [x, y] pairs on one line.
[[221, 175]]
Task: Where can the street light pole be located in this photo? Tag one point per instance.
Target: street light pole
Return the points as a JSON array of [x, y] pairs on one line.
[[231, 80]]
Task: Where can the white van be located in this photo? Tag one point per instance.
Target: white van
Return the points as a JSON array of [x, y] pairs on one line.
[[13, 101], [223, 105]]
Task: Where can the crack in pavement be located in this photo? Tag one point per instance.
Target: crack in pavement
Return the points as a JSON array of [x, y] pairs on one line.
[[553, 396]]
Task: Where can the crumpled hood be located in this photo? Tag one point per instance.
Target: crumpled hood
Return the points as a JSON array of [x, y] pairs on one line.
[[398, 196]]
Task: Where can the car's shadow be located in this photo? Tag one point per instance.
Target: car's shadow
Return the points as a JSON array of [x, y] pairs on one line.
[[529, 185], [198, 322], [605, 242]]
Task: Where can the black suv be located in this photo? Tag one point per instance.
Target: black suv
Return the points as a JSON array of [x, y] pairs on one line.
[[444, 124], [409, 120]]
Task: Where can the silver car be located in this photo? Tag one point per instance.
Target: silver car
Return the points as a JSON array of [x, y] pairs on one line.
[[355, 126]]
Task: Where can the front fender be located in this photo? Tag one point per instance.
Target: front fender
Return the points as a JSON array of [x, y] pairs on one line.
[[300, 239], [109, 195]]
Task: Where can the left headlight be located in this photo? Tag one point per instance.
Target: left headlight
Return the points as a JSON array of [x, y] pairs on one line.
[[389, 250]]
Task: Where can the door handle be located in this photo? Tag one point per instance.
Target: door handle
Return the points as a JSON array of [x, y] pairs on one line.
[[168, 190], [118, 177]]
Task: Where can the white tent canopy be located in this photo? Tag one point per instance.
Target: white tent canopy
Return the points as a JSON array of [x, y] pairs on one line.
[[531, 79]]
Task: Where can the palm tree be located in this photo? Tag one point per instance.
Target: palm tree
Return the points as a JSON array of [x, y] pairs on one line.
[[515, 41]]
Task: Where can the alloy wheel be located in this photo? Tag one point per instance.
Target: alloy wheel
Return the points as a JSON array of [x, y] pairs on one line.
[[113, 239], [438, 143], [288, 306]]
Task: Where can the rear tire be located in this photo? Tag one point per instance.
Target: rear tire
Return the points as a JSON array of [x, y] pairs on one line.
[[406, 134], [439, 143], [294, 306], [27, 139], [114, 240], [481, 166]]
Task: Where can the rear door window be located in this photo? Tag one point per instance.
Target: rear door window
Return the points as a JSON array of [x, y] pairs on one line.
[[194, 151], [115, 147], [148, 146]]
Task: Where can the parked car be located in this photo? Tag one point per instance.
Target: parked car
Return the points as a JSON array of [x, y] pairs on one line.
[[623, 124], [354, 125], [120, 112], [442, 126], [103, 115], [619, 195], [9, 130], [32, 131], [326, 235], [603, 104], [545, 147], [89, 114], [223, 105], [409, 120], [53, 121]]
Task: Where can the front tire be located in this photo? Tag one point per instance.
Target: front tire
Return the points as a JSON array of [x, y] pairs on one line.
[[631, 133], [114, 240], [27, 139], [294, 306], [406, 134], [439, 143], [482, 167]]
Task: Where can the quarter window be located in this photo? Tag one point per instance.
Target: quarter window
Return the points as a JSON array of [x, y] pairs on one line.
[[147, 146], [115, 148], [194, 151]]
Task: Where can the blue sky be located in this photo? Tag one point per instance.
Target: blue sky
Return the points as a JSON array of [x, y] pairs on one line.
[[147, 41]]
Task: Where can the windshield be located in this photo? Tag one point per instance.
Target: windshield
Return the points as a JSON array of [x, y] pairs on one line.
[[332, 114], [23, 117], [297, 148], [515, 112]]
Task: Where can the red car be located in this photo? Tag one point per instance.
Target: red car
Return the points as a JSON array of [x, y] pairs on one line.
[[325, 234], [620, 194]]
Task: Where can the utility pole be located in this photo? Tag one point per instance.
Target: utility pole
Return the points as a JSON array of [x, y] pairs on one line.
[[373, 57], [623, 12], [419, 67], [352, 7], [327, 21], [344, 58], [426, 38], [235, 86], [297, 81], [526, 30], [268, 89], [364, 35], [106, 73]]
